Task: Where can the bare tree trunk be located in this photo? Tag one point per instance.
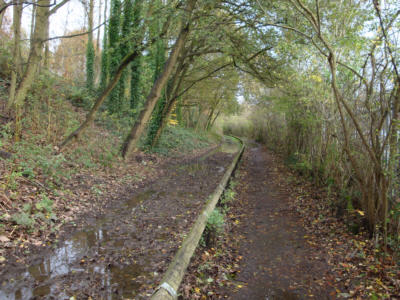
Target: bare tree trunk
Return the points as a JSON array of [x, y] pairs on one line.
[[215, 118], [39, 35], [90, 21], [209, 118], [46, 61], [16, 70], [97, 50], [32, 25], [98, 30], [159, 84]]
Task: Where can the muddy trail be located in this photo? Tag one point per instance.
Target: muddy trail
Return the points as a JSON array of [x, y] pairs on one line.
[[277, 262], [122, 253]]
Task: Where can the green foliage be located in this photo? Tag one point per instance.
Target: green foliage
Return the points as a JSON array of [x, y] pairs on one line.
[[115, 100], [27, 170], [5, 61], [300, 164], [214, 228], [136, 65], [107, 158], [80, 97], [90, 56], [41, 158], [28, 217], [12, 180], [24, 219], [176, 139], [229, 195], [216, 222], [158, 61], [238, 126], [156, 121], [104, 73], [45, 205], [136, 83]]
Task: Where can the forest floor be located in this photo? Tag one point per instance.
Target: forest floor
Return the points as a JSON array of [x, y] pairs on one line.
[[121, 249], [284, 241]]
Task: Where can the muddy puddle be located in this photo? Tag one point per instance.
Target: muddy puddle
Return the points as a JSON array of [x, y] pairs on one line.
[[229, 146], [82, 255]]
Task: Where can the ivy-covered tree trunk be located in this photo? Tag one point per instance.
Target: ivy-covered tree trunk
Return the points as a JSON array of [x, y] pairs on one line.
[[155, 93], [125, 46], [156, 118], [90, 55], [136, 65], [172, 96], [114, 104], [136, 69]]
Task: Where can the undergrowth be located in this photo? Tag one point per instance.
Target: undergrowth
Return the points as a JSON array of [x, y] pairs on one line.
[[176, 139]]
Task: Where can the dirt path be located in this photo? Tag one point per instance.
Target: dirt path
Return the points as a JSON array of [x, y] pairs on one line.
[[277, 261], [122, 253]]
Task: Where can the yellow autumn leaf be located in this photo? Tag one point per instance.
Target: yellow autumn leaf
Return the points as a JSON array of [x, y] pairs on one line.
[[316, 78], [172, 122], [197, 290], [360, 212]]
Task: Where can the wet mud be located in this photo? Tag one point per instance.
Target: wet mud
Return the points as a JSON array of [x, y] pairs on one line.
[[122, 253]]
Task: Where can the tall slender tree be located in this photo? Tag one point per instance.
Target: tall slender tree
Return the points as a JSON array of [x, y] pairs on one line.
[[135, 83], [114, 102], [104, 53], [126, 45], [158, 61], [90, 54], [16, 71]]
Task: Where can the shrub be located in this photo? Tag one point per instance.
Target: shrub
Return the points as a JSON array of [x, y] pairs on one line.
[[46, 204], [214, 228]]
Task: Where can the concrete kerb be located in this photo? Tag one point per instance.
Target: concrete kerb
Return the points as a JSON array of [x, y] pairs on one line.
[[168, 289]]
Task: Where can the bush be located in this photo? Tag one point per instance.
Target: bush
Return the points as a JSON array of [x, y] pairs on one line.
[[214, 228], [46, 204], [80, 97]]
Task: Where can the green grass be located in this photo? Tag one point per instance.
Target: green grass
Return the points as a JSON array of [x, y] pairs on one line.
[[176, 139]]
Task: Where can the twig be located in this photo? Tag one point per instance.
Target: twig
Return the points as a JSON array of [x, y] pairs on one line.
[[36, 183], [8, 200]]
